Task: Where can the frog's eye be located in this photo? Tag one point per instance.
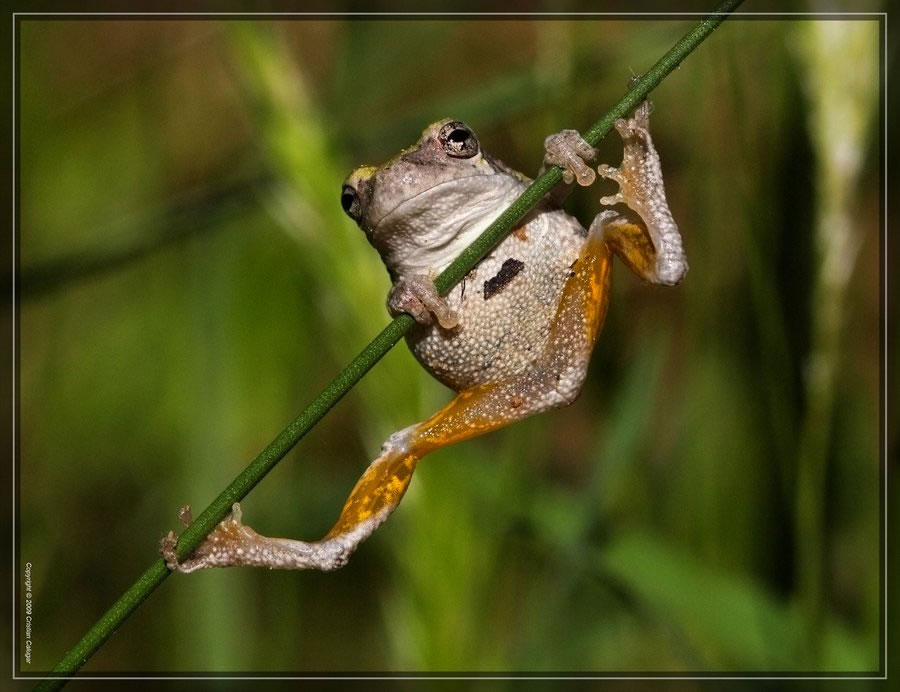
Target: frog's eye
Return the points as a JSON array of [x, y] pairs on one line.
[[458, 140], [350, 202]]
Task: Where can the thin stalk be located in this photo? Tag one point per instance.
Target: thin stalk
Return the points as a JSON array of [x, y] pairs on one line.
[[359, 366]]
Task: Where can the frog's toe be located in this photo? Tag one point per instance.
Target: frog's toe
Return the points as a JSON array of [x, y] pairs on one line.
[[569, 150], [638, 125], [228, 533], [170, 540], [607, 171], [167, 550], [610, 173]]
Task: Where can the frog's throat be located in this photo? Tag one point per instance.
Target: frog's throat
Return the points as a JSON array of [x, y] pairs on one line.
[[433, 257], [384, 223], [412, 243]]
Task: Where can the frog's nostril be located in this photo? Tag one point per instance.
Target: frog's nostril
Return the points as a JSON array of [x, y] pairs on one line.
[[347, 201]]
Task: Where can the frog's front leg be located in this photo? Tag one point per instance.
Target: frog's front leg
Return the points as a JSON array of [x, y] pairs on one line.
[[645, 236], [554, 379]]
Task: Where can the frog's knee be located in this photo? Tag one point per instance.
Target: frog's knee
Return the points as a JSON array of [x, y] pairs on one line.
[[671, 264], [561, 385], [599, 227], [569, 383]]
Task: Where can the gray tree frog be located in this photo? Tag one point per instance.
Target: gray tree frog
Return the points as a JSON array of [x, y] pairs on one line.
[[513, 338]]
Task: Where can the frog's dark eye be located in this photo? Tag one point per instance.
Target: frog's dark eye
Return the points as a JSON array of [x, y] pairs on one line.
[[458, 140], [350, 202]]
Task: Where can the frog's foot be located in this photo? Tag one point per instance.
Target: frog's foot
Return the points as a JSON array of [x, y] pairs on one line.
[[569, 150], [417, 296], [233, 544], [650, 245], [380, 489]]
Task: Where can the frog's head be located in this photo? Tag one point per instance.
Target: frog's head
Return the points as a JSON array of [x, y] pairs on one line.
[[424, 196]]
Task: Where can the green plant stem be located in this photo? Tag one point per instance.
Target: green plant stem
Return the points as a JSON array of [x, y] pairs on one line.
[[359, 366]]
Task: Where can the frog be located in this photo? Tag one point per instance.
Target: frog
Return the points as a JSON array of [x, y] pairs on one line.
[[513, 338]]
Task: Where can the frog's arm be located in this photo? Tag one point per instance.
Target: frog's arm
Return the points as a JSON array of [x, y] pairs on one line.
[[645, 235]]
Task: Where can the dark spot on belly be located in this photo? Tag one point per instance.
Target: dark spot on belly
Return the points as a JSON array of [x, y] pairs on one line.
[[507, 272]]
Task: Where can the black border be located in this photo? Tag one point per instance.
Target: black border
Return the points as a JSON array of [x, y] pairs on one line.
[[33, 12]]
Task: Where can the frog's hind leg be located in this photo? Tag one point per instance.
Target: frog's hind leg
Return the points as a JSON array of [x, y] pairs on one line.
[[554, 379], [645, 236], [377, 492]]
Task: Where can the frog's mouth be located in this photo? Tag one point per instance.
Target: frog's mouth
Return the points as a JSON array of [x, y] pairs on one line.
[[476, 195]]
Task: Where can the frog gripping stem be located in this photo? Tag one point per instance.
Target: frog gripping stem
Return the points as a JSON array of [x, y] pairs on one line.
[[554, 380], [643, 235]]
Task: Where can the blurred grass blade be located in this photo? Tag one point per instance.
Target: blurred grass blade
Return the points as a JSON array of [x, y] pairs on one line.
[[728, 621], [132, 239], [842, 94]]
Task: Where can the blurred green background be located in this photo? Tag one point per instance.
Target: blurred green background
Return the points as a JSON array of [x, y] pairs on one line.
[[188, 282]]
